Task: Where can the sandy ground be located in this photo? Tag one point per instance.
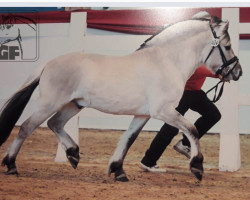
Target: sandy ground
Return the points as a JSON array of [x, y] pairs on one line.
[[41, 178]]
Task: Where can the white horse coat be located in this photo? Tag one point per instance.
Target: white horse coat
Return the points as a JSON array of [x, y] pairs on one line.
[[146, 83]]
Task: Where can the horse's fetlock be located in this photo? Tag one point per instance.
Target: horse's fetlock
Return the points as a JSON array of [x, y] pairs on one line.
[[115, 166], [200, 157]]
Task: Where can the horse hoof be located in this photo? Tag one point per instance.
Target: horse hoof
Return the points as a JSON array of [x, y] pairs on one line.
[[196, 166], [12, 171], [73, 161], [11, 165], [122, 178], [197, 173], [73, 156], [116, 168]]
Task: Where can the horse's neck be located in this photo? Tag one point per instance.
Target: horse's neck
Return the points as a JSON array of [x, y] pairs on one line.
[[192, 55], [186, 41]]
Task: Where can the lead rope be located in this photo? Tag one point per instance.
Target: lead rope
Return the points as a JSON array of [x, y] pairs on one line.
[[216, 98]]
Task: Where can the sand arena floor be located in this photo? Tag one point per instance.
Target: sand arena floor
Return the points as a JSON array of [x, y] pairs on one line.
[[41, 178]]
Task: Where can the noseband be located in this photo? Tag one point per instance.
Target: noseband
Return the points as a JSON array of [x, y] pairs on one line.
[[216, 43]]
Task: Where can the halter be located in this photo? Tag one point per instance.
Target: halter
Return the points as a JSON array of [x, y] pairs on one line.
[[216, 43]]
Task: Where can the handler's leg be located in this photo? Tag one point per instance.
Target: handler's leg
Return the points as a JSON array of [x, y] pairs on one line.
[[163, 139], [126, 140], [210, 115], [158, 146]]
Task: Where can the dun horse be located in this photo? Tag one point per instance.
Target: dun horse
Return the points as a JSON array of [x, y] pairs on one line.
[[147, 83]]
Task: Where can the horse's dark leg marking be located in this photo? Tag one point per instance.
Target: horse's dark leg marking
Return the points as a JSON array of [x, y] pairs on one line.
[[196, 165], [127, 139], [117, 167], [73, 156], [120, 175], [11, 165]]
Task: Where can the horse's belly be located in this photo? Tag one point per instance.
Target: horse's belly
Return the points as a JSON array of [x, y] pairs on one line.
[[119, 109], [116, 105]]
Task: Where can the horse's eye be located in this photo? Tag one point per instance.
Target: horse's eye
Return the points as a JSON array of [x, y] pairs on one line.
[[227, 48]]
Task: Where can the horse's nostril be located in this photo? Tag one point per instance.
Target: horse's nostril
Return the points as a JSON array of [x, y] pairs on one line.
[[241, 72]]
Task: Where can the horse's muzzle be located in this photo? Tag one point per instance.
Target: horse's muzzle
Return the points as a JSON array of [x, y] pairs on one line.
[[239, 74]]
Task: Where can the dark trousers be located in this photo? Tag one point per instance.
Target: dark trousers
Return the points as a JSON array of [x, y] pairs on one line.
[[196, 101]]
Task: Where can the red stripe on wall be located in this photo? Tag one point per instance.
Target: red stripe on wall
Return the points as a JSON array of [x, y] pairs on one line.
[[244, 15], [146, 21]]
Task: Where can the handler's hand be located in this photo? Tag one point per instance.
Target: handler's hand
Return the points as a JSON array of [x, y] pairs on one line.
[[221, 78]]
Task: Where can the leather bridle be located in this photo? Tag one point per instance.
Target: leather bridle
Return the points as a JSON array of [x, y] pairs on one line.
[[216, 43]]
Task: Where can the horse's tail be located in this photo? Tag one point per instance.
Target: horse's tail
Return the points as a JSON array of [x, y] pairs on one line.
[[13, 108]]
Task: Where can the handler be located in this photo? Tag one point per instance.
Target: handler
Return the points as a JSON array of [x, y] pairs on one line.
[[195, 99]]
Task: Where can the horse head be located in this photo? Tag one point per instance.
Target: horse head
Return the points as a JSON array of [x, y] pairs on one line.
[[8, 31], [219, 56]]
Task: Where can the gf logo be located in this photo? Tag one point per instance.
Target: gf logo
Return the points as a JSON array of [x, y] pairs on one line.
[[9, 52]]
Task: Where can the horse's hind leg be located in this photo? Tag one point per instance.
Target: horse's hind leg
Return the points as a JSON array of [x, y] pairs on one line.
[[126, 140], [38, 117], [56, 124]]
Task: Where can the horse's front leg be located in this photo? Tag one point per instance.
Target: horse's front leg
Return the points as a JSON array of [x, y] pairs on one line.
[[126, 140], [174, 118]]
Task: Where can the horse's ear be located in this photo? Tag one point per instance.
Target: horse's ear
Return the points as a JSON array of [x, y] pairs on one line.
[[225, 26], [222, 27]]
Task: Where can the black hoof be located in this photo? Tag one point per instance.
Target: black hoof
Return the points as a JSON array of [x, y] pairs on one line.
[[116, 168], [11, 165], [122, 178], [12, 171], [73, 156], [196, 166], [197, 173]]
